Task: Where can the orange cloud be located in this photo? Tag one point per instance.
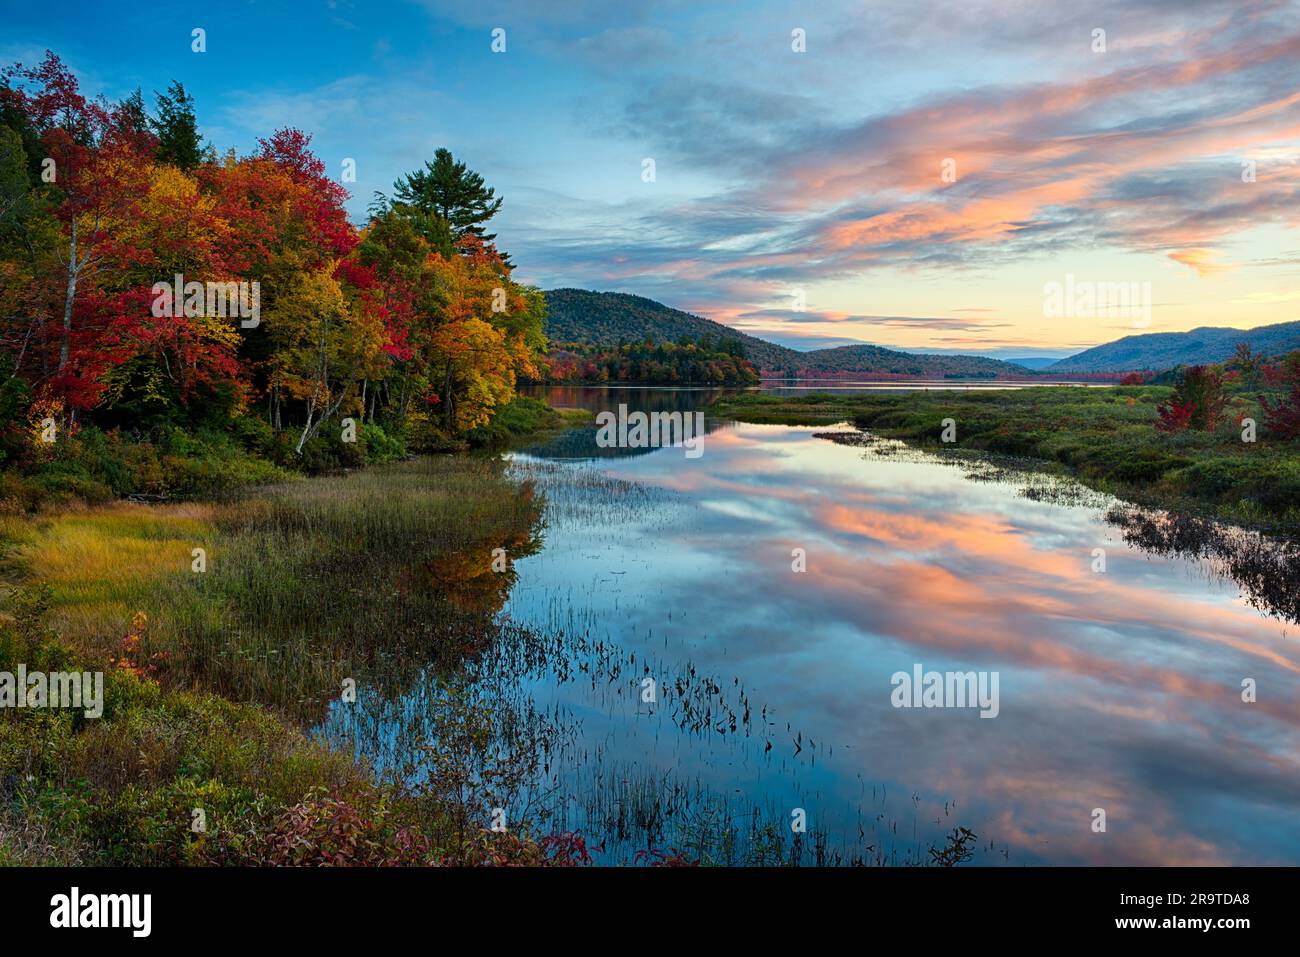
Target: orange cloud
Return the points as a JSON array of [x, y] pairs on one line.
[[1201, 260]]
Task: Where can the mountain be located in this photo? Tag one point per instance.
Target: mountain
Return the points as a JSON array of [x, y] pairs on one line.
[[607, 318], [1164, 350], [1034, 362], [873, 360]]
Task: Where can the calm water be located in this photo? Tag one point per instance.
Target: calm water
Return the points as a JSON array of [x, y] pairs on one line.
[[1119, 690]]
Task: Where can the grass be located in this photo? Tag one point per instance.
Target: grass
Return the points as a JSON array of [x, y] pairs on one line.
[[524, 419], [305, 584], [212, 676], [1104, 437]]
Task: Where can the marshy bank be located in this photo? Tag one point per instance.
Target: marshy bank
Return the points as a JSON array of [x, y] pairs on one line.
[[216, 666], [1105, 437]]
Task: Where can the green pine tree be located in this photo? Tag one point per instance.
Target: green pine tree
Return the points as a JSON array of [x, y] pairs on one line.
[[133, 118], [177, 128], [453, 192]]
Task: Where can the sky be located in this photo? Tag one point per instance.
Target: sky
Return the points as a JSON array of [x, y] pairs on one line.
[[909, 173]]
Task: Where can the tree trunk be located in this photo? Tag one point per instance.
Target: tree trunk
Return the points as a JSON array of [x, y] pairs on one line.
[[65, 341], [310, 429], [323, 382], [446, 399]]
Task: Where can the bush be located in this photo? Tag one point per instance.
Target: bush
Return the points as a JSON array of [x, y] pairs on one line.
[[521, 416], [68, 482], [379, 445], [254, 434], [1197, 402], [1283, 419], [18, 494], [214, 475]]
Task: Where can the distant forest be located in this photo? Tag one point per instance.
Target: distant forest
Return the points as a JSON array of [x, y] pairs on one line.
[[706, 361]]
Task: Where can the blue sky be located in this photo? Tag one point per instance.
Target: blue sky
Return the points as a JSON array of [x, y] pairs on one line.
[[781, 172]]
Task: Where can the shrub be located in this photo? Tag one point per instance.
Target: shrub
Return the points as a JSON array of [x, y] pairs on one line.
[[254, 434], [1197, 401], [379, 445], [1283, 419], [520, 416]]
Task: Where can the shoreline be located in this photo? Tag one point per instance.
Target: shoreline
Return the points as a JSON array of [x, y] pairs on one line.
[[1104, 438]]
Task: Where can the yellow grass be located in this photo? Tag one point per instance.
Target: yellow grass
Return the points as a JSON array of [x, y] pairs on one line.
[[99, 561]]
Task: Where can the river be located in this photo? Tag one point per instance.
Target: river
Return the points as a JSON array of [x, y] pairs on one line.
[[696, 690]]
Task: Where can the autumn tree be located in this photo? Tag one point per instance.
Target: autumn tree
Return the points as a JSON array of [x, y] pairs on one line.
[[1197, 401], [132, 119], [1282, 412], [492, 329], [287, 222], [92, 161], [159, 357], [416, 316], [1248, 362], [323, 347]]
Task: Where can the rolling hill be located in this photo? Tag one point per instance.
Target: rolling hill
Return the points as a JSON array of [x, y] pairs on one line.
[[1164, 350], [607, 318]]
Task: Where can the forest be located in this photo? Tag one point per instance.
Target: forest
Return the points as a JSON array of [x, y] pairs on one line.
[[706, 361], [407, 333]]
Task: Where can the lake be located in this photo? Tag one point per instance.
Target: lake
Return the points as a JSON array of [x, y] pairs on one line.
[[683, 685]]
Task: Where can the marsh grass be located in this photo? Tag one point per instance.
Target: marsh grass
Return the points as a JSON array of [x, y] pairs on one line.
[[369, 575], [377, 576]]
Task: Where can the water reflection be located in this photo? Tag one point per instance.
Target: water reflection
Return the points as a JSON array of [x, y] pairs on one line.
[[1120, 689], [581, 443]]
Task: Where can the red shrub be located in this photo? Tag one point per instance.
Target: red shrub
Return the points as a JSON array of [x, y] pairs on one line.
[[327, 832], [1197, 401], [1174, 417], [1283, 419]]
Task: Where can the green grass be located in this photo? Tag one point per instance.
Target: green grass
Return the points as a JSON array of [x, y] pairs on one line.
[[524, 419], [1105, 437]]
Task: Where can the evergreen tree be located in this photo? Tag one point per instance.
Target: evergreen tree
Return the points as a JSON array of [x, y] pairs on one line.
[[14, 182], [177, 128], [131, 116], [452, 192]]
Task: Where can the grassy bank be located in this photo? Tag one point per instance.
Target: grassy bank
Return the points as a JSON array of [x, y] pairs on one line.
[[212, 675], [1107, 438], [169, 463]]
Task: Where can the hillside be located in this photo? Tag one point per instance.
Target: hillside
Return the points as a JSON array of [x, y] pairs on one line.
[[1034, 362], [875, 360], [1164, 350], [606, 318]]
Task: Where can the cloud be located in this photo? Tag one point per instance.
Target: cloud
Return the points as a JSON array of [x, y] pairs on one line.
[[1201, 260], [909, 322], [1135, 151], [779, 170]]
